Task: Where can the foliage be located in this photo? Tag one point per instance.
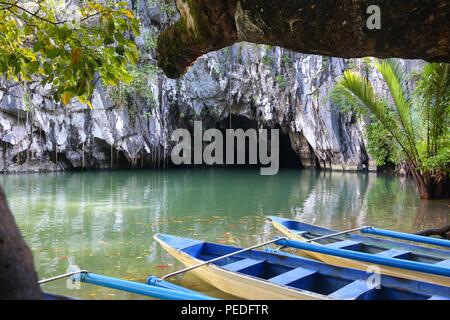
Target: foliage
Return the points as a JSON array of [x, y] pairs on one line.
[[123, 94], [149, 42], [67, 46], [267, 60], [351, 64], [433, 96], [362, 65], [380, 145], [281, 81], [325, 63], [167, 7], [345, 102], [414, 125], [287, 59]]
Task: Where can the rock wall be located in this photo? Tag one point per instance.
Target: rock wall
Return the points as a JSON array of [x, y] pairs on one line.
[[269, 86]]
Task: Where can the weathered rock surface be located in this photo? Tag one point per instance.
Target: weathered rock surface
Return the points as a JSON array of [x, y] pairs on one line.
[[410, 29], [263, 86]]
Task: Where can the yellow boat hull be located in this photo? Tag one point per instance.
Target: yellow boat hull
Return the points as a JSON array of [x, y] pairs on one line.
[[360, 265], [238, 285]]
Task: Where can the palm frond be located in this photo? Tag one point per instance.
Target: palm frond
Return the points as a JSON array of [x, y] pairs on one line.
[[401, 76], [359, 89], [433, 91], [395, 80]]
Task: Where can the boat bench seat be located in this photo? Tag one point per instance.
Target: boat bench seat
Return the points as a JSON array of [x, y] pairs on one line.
[[351, 291], [439, 298], [393, 253], [345, 244], [242, 264], [292, 275], [445, 263], [300, 233]]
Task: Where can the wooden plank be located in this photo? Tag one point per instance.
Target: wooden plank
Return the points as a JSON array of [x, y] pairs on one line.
[[242, 264], [292, 275], [445, 263], [351, 291], [439, 298], [343, 244], [393, 253]]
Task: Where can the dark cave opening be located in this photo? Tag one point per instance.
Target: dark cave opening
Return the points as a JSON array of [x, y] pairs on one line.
[[238, 122], [115, 159], [287, 156]]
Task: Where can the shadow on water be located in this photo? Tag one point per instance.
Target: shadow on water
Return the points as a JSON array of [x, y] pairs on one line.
[[104, 221]]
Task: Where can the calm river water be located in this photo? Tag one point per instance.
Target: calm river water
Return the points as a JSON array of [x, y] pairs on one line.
[[104, 221]]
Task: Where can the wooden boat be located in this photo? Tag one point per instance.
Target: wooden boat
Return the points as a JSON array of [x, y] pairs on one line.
[[269, 275], [376, 247]]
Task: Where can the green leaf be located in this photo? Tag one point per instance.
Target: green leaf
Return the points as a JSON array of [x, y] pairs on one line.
[[53, 53], [33, 67], [38, 46]]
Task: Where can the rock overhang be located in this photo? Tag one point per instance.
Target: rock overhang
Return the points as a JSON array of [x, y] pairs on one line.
[[410, 29]]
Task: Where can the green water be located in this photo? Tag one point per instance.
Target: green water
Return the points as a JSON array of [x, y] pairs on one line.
[[104, 221]]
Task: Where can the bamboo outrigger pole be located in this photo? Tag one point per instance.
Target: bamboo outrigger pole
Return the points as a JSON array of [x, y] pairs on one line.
[[155, 288], [339, 233], [408, 237]]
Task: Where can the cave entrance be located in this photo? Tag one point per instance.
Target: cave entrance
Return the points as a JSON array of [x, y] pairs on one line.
[[287, 158]]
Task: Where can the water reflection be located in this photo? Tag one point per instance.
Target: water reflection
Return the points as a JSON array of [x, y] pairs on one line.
[[105, 220]]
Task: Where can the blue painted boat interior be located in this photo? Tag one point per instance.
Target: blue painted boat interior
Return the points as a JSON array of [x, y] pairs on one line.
[[51, 296], [370, 245], [305, 274]]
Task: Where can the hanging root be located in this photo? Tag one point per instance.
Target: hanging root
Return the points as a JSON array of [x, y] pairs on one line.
[[443, 232]]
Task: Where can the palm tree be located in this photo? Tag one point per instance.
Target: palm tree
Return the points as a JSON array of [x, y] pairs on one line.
[[417, 122]]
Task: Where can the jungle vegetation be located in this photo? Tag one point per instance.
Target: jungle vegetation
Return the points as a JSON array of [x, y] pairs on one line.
[[411, 126]]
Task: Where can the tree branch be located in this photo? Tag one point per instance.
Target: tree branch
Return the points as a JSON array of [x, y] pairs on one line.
[[33, 14], [443, 232]]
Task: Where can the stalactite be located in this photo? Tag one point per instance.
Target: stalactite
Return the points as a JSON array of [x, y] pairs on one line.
[[159, 157], [164, 157], [153, 157], [112, 156], [28, 153], [82, 158]]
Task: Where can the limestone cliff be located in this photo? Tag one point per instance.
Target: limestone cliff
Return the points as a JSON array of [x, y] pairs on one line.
[[262, 86]]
